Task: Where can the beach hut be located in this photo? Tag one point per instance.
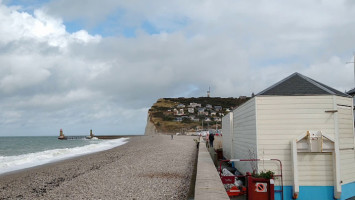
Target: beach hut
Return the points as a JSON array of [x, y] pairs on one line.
[[306, 125]]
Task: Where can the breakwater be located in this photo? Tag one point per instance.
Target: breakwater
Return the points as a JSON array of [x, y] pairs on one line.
[[110, 137], [101, 137], [91, 136]]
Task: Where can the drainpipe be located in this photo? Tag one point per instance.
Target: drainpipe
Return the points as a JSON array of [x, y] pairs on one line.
[[232, 133], [336, 161]]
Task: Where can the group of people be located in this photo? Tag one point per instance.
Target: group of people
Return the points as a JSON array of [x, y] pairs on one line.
[[209, 139]]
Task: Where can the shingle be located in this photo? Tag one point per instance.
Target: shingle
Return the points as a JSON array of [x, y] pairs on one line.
[[300, 85]]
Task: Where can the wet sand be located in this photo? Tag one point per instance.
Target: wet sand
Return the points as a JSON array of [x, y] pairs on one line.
[[147, 167]]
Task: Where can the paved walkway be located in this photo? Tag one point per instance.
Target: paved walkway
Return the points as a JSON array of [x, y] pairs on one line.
[[208, 183]]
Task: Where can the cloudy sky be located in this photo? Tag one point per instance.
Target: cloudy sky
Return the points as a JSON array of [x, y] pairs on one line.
[[81, 65]]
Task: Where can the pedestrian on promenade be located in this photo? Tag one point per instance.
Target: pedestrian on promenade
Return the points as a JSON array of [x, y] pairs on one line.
[[207, 141], [211, 138]]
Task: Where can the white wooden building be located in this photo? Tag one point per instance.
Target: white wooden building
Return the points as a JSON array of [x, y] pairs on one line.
[[305, 124]]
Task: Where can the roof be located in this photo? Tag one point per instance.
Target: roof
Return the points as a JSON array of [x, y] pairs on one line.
[[299, 85], [351, 92]]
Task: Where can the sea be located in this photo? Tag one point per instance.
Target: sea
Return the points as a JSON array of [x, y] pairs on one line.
[[18, 153]]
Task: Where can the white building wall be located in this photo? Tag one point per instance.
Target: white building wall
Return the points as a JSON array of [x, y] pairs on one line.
[[265, 126], [346, 139], [244, 138], [227, 135], [282, 118]]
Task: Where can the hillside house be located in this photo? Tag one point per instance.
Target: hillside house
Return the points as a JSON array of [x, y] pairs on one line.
[[178, 112], [180, 105], [242, 97], [201, 111], [194, 105], [217, 119], [181, 112], [178, 119], [218, 108], [194, 119], [305, 124], [190, 110]]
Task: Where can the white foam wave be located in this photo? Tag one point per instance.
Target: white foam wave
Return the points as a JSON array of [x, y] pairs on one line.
[[12, 163]]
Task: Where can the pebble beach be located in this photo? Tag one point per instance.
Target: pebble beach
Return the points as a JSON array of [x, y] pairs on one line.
[[146, 167]]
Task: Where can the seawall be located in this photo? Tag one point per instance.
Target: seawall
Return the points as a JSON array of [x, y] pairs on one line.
[[208, 183]]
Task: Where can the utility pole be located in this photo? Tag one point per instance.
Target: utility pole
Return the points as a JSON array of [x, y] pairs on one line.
[[354, 67]]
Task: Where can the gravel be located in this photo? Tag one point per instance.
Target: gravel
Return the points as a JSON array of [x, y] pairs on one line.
[[147, 167]]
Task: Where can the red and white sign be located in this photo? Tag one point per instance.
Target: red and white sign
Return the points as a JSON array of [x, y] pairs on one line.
[[261, 187]]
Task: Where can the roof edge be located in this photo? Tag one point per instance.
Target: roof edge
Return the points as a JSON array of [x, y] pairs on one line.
[[277, 83], [311, 81], [317, 84]]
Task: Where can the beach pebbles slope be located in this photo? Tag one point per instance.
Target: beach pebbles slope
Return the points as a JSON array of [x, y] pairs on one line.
[[147, 167]]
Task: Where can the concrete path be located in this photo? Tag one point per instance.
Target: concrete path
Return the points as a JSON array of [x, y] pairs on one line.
[[208, 183]]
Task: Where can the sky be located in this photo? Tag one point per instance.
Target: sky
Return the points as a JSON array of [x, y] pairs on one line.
[[81, 65]]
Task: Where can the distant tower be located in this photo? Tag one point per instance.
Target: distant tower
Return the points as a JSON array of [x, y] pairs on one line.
[[61, 135], [91, 135], [209, 91]]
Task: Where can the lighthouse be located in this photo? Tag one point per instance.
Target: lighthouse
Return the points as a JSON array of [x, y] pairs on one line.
[[91, 135], [61, 135]]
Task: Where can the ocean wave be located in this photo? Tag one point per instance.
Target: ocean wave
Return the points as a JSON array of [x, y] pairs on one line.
[[12, 163]]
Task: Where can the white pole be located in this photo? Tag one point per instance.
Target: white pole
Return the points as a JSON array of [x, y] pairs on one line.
[[354, 67]]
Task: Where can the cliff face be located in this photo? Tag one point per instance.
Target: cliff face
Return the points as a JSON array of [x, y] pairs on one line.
[[181, 115], [150, 128]]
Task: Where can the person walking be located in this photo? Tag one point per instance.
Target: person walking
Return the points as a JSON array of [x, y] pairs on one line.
[[211, 138], [207, 141]]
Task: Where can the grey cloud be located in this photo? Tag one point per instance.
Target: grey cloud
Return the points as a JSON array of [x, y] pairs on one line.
[[109, 83]]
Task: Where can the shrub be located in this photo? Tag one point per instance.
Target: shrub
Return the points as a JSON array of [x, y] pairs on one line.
[[267, 175], [186, 120]]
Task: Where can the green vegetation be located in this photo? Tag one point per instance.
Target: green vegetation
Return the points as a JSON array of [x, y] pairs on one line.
[[215, 101], [169, 117], [267, 174]]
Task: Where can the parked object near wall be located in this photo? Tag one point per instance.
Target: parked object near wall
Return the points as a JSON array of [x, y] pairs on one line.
[[260, 188]]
